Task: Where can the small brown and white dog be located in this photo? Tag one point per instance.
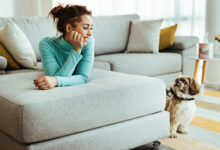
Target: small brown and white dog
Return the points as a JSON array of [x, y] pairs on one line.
[[180, 103]]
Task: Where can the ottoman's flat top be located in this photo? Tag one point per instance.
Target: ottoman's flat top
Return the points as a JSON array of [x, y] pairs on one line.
[[30, 115]]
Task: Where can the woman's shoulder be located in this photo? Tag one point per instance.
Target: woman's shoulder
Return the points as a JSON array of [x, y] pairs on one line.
[[48, 40], [48, 44]]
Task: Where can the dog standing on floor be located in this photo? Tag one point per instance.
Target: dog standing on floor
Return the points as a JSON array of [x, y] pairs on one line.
[[181, 105]]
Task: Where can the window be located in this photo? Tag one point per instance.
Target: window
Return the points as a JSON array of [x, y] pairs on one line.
[[188, 14]]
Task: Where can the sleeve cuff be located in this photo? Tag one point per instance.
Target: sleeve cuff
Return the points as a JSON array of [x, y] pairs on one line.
[[75, 53]]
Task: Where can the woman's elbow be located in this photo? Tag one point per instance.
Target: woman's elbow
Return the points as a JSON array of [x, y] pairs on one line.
[[84, 79]]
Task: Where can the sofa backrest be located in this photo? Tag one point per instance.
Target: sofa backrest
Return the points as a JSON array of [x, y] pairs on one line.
[[35, 28], [110, 32]]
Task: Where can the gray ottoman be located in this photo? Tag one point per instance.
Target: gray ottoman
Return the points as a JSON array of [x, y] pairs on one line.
[[108, 110]]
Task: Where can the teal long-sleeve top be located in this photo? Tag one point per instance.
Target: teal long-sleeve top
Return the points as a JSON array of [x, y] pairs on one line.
[[61, 60]]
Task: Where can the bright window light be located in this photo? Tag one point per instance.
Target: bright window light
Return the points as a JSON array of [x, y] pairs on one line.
[[188, 14]]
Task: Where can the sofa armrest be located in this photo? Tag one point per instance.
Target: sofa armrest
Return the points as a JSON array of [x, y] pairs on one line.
[[184, 42], [3, 64], [186, 46]]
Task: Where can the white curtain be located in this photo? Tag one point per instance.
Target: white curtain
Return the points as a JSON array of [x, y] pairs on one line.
[[188, 14], [31, 7]]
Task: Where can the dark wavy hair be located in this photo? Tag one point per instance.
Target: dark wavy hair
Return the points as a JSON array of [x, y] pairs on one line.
[[71, 14]]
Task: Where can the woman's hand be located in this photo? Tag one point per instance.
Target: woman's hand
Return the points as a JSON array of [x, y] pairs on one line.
[[76, 39], [46, 82]]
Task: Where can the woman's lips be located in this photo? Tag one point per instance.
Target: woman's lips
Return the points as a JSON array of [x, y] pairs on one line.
[[86, 39]]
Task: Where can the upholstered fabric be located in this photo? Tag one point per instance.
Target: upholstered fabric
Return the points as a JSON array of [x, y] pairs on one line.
[[35, 28], [39, 65], [12, 64], [124, 135], [169, 78], [111, 33], [18, 45], [31, 115], [184, 42], [102, 65], [2, 72], [3, 63], [144, 37], [143, 64], [167, 36], [188, 65]]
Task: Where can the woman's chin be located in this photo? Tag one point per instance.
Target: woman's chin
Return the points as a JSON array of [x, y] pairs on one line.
[[85, 43]]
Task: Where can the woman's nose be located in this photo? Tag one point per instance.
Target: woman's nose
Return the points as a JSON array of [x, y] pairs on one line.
[[89, 33]]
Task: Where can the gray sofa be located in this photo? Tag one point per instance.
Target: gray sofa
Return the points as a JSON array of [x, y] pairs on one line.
[[120, 107]]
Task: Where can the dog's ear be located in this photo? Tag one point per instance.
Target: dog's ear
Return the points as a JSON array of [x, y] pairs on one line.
[[194, 88]]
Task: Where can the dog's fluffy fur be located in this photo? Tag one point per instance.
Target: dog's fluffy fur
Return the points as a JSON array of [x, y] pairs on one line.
[[180, 103]]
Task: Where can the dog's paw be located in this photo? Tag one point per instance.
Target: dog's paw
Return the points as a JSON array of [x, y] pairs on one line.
[[183, 131], [173, 136]]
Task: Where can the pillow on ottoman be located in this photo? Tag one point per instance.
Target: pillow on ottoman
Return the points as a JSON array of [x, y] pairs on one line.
[[144, 37]]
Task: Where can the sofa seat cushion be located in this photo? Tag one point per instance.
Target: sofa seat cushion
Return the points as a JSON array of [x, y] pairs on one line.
[[143, 64], [102, 65], [30, 115], [39, 66]]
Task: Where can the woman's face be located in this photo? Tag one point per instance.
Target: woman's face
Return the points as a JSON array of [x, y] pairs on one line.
[[84, 28]]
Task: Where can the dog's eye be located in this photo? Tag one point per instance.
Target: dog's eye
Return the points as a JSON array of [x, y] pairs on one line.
[[184, 82]]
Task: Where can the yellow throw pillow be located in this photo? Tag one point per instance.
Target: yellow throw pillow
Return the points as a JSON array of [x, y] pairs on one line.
[[167, 36], [12, 64]]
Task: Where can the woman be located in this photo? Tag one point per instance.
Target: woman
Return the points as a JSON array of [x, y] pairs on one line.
[[68, 59]]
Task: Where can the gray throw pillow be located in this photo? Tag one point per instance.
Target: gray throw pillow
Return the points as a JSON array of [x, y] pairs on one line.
[[144, 37]]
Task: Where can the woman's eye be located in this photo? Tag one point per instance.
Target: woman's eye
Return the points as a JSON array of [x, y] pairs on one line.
[[91, 28], [85, 28]]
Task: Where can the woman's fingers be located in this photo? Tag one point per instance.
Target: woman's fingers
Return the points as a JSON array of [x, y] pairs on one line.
[[38, 80], [79, 38], [45, 82], [42, 83], [75, 36], [45, 87], [71, 35]]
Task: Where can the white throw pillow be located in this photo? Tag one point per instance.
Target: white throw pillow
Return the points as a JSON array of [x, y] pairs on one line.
[[144, 37], [18, 45]]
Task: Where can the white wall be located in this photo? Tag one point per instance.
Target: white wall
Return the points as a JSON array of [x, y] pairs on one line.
[[6, 8], [213, 16], [212, 78], [15, 8]]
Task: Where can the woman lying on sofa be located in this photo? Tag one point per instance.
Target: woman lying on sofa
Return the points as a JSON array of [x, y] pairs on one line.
[[68, 59]]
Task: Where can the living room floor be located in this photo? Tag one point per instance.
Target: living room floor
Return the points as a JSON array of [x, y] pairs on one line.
[[204, 130]]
